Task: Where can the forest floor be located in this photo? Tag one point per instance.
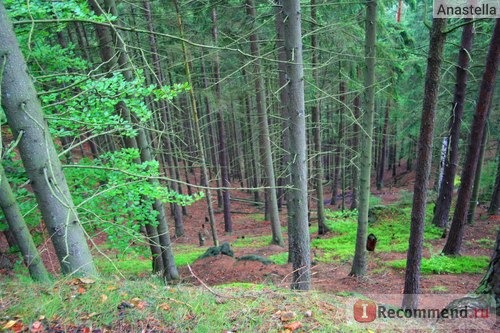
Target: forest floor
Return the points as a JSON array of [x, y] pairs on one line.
[[250, 228]]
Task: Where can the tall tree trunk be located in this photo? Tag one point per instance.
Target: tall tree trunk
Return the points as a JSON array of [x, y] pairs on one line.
[[316, 119], [473, 202], [301, 278], [454, 241], [25, 117], [383, 147], [176, 210], [355, 149], [197, 132], [223, 151], [443, 202], [495, 196], [20, 231], [359, 263], [424, 161], [283, 106], [277, 237]]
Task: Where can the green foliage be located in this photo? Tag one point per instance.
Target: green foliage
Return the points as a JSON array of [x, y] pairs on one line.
[[113, 194], [440, 264], [392, 230]]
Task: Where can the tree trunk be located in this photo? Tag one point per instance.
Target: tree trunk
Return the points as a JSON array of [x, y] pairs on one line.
[[495, 196], [20, 231], [176, 210], [454, 241], [223, 151], [316, 119], [424, 161], [197, 132], [359, 263], [490, 283], [355, 149], [277, 237], [443, 202], [25, 117], [473, 202], [301, 279], [383, 147]]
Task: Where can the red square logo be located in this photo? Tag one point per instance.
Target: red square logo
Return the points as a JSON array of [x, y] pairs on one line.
[[364, 311]]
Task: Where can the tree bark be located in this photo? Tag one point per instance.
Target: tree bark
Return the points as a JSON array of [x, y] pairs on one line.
[[495, 197], [277, 237], [473, 202], [20, 231], [316, 119], [197, 132], [359, 263], [223, 151], [424, 161], [25, 117], [455, 236], [355, 149], [383, 147], [301, 278], [443, 202]]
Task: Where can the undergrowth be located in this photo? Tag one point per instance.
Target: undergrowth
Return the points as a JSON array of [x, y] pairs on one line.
[[392, 229], [440, 264], [118, 305]]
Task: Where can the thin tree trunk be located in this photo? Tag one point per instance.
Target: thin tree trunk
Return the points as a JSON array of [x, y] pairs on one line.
[[495, 196], [301, 278], [424, 161], [25, 117], [477, 178], [455, 236], [277, 237], [359, 263], [355, 149], [223, 151], [316, 119], [198, 134], [20, 231], [443, 202], [179, 225], [383, 147]]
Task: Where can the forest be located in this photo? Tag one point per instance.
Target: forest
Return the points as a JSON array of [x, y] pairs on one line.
[[248, 166]]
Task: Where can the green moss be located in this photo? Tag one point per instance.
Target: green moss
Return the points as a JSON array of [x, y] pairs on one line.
[[252, 242], [392, 230], [280, 258], [440, 264]]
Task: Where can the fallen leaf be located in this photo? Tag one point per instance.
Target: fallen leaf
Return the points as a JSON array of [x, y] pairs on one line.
[[293, 326], [36, 327], [164, 306], [86, 280], [287, 315], [9, 324], [90, 315], [81, 290], [111, 288], [138, 303], [104, 298]]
